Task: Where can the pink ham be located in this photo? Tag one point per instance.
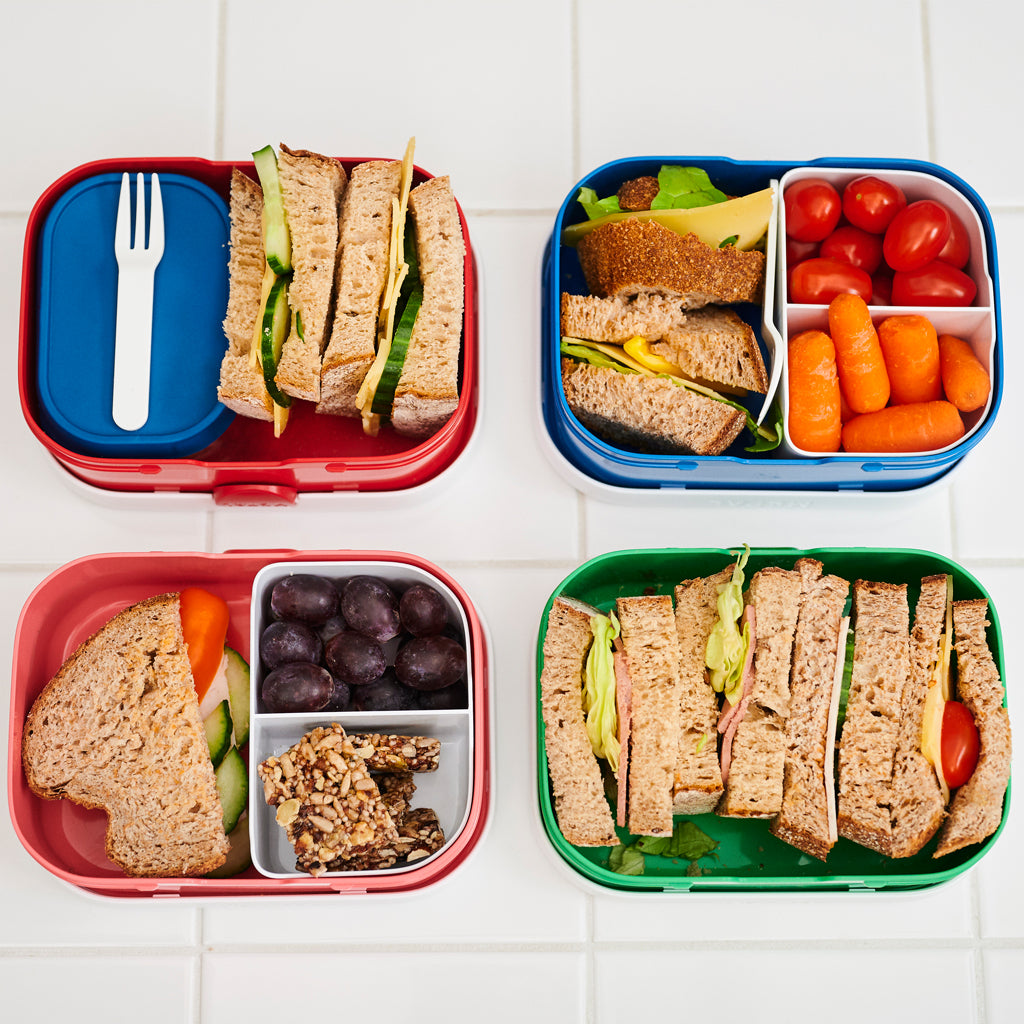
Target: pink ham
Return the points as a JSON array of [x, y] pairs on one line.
[[624, 706], [733, 714]]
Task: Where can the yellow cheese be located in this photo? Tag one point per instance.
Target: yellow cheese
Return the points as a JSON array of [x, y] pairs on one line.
[[746, 217], [280, 419], [939, 691]]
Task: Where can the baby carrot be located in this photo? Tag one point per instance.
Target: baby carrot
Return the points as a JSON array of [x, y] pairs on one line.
[[911, 350], [916, 427], [814, 399], [862, 374], [963, 377]]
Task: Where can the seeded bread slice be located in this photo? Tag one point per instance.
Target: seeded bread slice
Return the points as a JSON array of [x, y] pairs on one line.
[[616, 320], [241, 386], [977, 807], [118, 728], [361, 272], [581, 808], [648, 413], [311, 186], [428, 390]]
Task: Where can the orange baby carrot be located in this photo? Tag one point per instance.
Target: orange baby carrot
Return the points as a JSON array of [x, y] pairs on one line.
[[963, 377], [916, 427], [862, 374], [911, 350], [814, 400]]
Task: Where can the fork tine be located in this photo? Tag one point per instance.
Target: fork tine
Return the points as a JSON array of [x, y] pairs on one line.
[[139, 238], [123, 224], [156, 217]]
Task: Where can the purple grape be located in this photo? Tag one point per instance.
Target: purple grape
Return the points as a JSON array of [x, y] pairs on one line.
[[384, 694], [332, 627], [454, 696], [355, 658], [341, 696], [298, 686], [282, 642], [423, 610], [430, 662], [304, 598], [370, 607]]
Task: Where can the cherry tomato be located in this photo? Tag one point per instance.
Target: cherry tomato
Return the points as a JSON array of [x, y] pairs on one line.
[[821, 280], [959, 744], [935, 284], [881, 288], [797, 252], [869, 203], [855, 246], [813, 207], [916, 235], [957, 250], [204, 623]]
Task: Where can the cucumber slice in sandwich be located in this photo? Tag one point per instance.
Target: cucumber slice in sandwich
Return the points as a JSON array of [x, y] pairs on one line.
[[274, 331], [218, 732], [277, 241], [238, 679], [384, 396], [232, 787], [240, 854]]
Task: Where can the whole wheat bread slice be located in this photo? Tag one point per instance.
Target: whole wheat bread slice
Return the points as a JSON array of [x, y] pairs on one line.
[[118, 728], [977, 807], [648, 413], [311, 186], [428, 390], [652, 652], [241, 385], [616, 320], [581, 808], [361, 272]]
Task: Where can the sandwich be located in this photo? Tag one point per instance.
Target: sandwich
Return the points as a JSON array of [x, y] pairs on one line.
[[661, 280], [334, 302], [118, 728]]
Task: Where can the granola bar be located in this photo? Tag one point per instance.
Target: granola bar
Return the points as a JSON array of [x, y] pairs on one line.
[[397, 753], [396, 792], [326, 799], [419, 835]]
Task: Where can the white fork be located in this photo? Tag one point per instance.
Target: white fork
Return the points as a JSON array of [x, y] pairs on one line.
[[136, 268]]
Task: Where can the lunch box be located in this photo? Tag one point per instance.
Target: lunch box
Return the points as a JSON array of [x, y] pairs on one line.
[[72, 603], [190, 443], [608, 471], [748, 858]]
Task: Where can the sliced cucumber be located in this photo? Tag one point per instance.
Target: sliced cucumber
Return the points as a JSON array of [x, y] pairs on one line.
[[239, 856], [233, 788], [272, 337], [384, 396], [277, 241], [218, 732], [237, 671]]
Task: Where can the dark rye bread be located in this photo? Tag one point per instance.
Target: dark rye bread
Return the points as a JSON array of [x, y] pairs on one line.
[[652, 652], [648, 413], [870, 737], [581, 808], [806, 820], [918, 807], [754, 786], [697, 785], [616, 320], [637, 255], [118, 728], [977, 807]]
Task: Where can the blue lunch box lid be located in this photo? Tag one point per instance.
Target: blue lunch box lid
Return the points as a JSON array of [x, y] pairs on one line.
[[77, 310]]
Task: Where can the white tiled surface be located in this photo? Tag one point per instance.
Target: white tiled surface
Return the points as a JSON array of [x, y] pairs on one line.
[[516, 103]]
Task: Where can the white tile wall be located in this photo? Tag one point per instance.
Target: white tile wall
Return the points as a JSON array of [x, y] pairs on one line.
[[516, 103]]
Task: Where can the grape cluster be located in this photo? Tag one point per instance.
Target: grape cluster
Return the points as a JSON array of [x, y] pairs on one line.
[[357, 644]]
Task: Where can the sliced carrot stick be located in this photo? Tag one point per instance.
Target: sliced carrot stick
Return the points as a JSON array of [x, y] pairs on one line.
[[911, 350], [963, 377], [915, 427], [204, 623], [814, 400], [862, 374]]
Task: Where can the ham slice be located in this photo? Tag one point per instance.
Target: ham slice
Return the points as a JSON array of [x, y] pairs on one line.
[[732, 714], [624, 706]]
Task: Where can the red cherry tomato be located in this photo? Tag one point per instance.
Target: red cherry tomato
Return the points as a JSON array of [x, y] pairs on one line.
[[934, 284], [959, 743], [855, 246], [821, 280], [881, 288], [797, 252], [957, 250], [813, 207], [916, 235], [869, 203]]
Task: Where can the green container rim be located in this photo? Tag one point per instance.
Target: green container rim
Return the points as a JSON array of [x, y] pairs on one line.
[[768, 864]]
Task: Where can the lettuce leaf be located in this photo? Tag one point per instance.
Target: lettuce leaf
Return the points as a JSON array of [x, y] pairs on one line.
[[592, 356], [626, 860], [594, 207], [727, 646], [687, 842], [683, 188], [601, 716], [844, 692]]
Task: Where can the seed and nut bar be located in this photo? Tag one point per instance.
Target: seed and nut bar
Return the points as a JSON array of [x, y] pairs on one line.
[[326, 799], [397, 753], [419, 835], [396, 792]]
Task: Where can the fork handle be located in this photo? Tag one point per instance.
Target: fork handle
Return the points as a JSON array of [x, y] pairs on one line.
[[133, 338]]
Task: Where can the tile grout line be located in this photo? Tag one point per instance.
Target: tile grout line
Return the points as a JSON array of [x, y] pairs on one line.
[[220, 79], [929, 80]]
